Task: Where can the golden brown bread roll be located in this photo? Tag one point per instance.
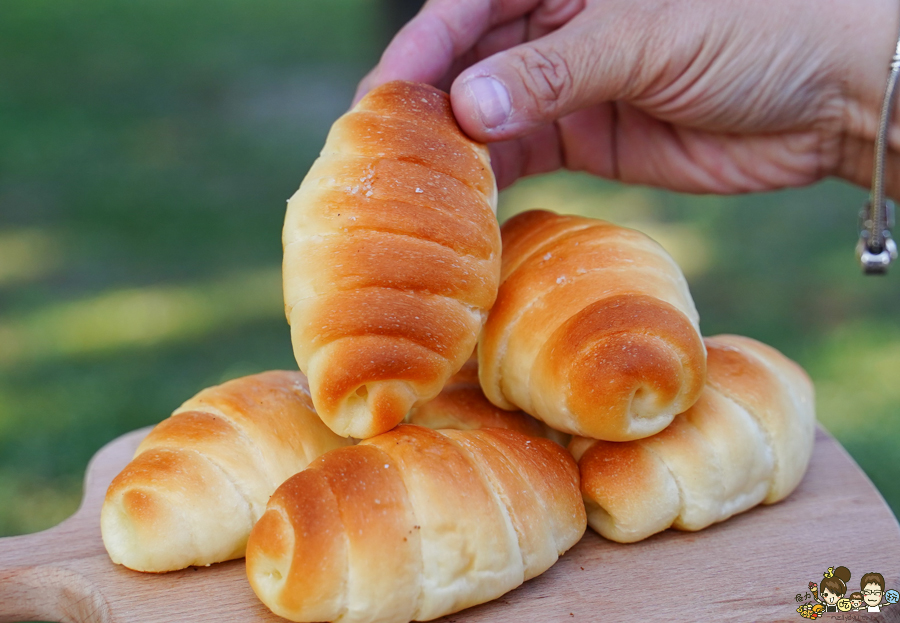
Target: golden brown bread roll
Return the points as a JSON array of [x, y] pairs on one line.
[[747, 440], [414, 524], [594, 330], [391, 258], [201, 478], [461, 405]]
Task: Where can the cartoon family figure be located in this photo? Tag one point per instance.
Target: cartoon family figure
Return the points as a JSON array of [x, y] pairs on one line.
[[830, 592]]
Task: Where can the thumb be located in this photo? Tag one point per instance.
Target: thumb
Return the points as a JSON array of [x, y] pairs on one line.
[[510, 94]]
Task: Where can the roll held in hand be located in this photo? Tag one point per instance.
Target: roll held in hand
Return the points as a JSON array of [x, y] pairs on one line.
[[391, 258]]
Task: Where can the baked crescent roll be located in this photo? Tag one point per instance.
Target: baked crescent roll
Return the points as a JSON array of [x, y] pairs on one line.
[[391, 258], [461, 405], [414, 524], [594, 330], [201, 478], [747, 440]]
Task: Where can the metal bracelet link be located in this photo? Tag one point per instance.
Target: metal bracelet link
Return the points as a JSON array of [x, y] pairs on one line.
[[875, 258], [876, 248]]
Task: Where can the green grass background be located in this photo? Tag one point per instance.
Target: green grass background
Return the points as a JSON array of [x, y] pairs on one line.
[[146, 152]]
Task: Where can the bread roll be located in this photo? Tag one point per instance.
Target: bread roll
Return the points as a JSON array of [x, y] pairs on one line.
[[414, 524], [747, 440], [391, 258], [201, 478], [461, 405], [594, 330]]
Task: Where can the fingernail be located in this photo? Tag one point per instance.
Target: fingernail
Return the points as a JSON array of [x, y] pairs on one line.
[[491, 100]]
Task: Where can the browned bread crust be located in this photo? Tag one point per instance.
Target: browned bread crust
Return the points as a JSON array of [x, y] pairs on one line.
[[594, 330], [462, 405], [391, 258], [747, 440], [414, 524], [201, 478]]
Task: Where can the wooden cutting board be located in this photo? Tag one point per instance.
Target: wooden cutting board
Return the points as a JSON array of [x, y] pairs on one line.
[[750, 568]]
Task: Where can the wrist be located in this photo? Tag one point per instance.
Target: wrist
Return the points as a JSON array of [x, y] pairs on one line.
[[872, 39]]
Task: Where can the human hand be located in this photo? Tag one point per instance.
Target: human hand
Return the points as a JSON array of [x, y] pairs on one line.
[[718, 96]]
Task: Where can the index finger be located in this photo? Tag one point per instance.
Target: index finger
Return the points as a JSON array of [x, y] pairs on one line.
[[424, 49]]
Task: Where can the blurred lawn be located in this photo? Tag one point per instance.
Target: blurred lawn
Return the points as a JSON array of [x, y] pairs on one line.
[[146, 152]]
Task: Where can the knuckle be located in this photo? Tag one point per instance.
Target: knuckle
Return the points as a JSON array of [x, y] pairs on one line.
[[546, 78]]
